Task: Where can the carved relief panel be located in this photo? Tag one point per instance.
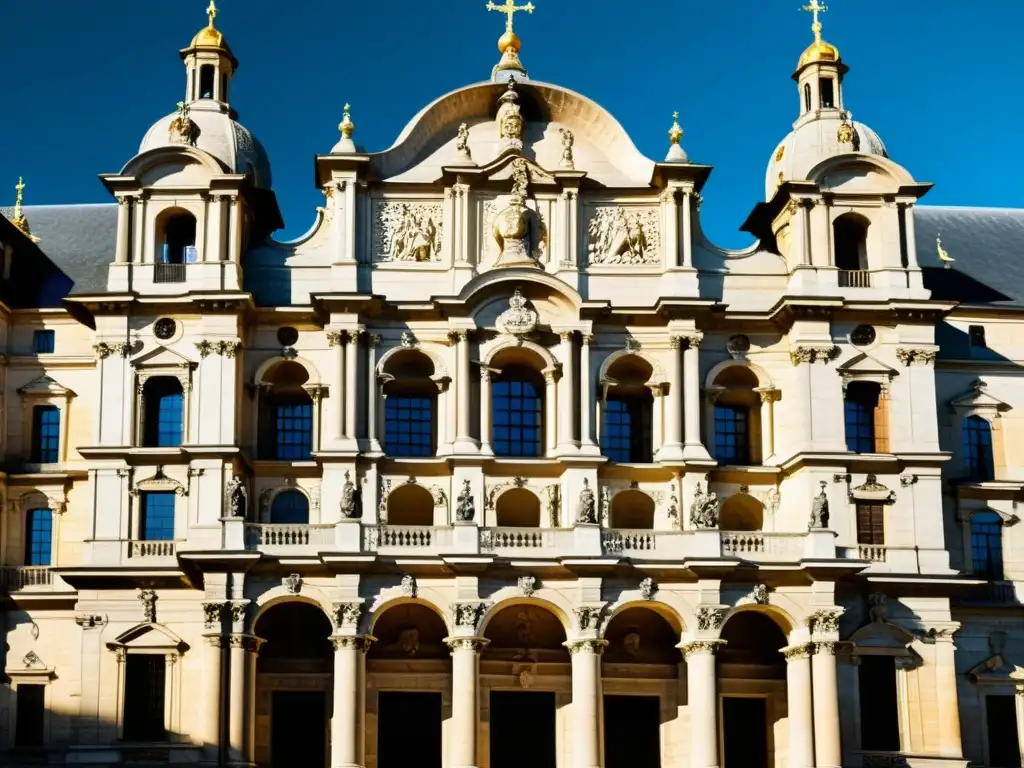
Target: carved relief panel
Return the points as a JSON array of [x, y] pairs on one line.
[[406, 231], [623, 235]]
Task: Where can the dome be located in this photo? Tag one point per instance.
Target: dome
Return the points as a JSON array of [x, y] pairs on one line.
[[210, 37], [220, 136], [812, 142], [819, 50]]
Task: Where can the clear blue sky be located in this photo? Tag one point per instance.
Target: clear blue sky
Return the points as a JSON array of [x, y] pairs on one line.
[[940, 80]]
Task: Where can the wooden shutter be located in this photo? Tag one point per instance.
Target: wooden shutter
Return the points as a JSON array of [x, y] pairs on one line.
[[870, 524]]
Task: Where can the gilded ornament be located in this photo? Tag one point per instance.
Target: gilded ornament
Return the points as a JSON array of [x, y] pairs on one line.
[[675, 135], [780, 153], [510, 120], [568, 140], [509, 43], [182, 130]]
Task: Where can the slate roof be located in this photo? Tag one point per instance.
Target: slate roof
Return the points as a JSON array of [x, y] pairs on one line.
[[79, 239], [988, 245]]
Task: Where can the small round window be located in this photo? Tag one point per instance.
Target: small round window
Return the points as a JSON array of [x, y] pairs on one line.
[[863, 335], [165, 328], [287, 336]]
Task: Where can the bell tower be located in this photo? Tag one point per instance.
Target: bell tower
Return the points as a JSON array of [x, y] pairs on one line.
[[819, 73], [210, 65]]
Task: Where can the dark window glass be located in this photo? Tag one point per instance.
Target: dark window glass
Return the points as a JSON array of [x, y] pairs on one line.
[[828, 95], [626, 434], [517, 412], [206, 76], [38, 536], [31, 708], [46, 434], [732, 441], [978, 449], [879, 721], [157, 511], [976, 334], [43, 341], [1003, 746], [987, 545], [850, 237], [807, 97], [163, 421], [861, 401], [409, 426], [290, 508], [294, 431], [144, 680], [179, 235], [871, 524]]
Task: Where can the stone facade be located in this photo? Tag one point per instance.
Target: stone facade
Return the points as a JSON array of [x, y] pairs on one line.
[[550, 439]]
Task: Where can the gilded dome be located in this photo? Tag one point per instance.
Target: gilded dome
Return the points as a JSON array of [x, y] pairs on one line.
[[210, 37], [819, 50]]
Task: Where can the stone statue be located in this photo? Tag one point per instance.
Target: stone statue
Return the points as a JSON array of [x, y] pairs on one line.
[[348, 498], [462, 142], [568, 140], [512, 226], [587, 510], [510, 120], [238, 499], [465, 510], [182, 130], [819, 510], [616, 237], [704, 510]]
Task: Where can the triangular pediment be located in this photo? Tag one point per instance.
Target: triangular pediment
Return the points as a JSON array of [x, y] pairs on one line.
[[45, 386], [979, 398], [163, 357], [996, 670], [864, 364], [149, 636]]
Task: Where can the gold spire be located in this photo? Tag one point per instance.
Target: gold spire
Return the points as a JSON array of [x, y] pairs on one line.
[[19, 219], [675, 135], [346, 126], [819, 50], [211, 12], [509, 43], [209, 36]]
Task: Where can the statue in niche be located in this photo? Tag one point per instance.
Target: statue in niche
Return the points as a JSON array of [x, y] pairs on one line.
[[587, 511], [348, 498], [819, 510], [465, 511]]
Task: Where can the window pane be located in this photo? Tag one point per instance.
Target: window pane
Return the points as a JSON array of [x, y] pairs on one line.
[[157, 516], [43, 342], [626, 434], [45, 434], [732, 444], [408, 426], [290, 508], [860, 425], [516, 413], [164, 405], [978, 449], [987, 545], [144, 680], [1003, 747], [38, 536], [294, 422]]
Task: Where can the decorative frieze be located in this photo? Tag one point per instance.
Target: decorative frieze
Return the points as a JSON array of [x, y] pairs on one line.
[[710, 619], [468, 614], [624, 235], [104, 350], [812, 354], [228, 349], [407, 231], [915, 356]]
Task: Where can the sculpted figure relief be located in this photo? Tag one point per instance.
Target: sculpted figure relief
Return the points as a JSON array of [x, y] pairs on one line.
[[407, 232], [620, 236], [705, 508]]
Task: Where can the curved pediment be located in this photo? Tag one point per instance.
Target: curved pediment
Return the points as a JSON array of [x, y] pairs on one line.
[[149, 636]]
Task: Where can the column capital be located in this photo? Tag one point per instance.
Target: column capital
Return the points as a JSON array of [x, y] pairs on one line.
[[474, 644], [586, 645], [824, 648], [248, 643], [824, 621], [797, 652], [698, 647], [352, 642], [335, 338], [217, 641]]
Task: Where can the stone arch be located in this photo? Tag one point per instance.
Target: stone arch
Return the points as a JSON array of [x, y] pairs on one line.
[[481, 289], [260, 377], [754, 638], [670, 613], [657, 375], [278, 595], [409, 629], [517, 508], [277, 495], [641, 634], [541, 359], [410, 504], [440, 369], [895, 174], [550, 600], [425, 598], [299, 628], [528, 627], [741, 512], [632, 508], [150, 160], [780, 616], [764, 381]]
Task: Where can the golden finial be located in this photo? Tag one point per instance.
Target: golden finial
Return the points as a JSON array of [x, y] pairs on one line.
[[19, 190], [347, 127], [675, 135], [815, 7], [211, 12], [19, 219], [944, 256]]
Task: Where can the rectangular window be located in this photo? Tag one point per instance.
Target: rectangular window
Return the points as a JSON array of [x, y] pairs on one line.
[[828, 92], [28, 730], [871, 524], [38, 536], [144, 681], [861, 404], [156, 516], [294, 432], [987, 545], [46, 434], [408, 426], [976, 334], [168, 419], [1003, 747], [732, 441], [43, 342], [626, 436], [517, 419], [879, 718]]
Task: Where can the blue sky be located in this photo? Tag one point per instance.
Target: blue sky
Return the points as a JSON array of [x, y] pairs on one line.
[[84, 81]]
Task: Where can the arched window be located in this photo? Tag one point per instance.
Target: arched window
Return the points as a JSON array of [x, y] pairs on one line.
[[206, 79], [826, 87], [286, 428], [290, 508], [807, 97], [38, 536], [179, 236], [850, 238], [628, 412], [410, 405], [162, 421], [517, 407], [737, 422], [865, 418], [987, 545], [978, 450], [45, 434]]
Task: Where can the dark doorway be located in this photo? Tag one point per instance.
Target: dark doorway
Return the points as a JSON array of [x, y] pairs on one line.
[[298, 729], [631, 732], [879, 717], [744, 733], [514, 713], [1003, 748], [408, 730]]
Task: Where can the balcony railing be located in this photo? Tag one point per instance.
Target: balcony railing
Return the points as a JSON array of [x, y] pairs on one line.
[[169, 273], [151, 549], [626, 541], [539, 542], [26, 577], [763, 546], [408, 537], [277, 535], [854, 278], [876, 553]]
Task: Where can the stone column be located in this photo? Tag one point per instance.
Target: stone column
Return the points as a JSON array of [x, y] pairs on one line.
[[213, 684], [768, 398], [702, 701], [827, 746], [139, 231], [463, 441], [586, 394], [800, 709], [346, 738], [550, 412], [693, 448], [567, 409], [950, 744], [124, 212], [672, 448], [465, 700], [241, 730], [911, 238], [351, 384], [586, 701], [485, 411], [335, 340], [372, 342]]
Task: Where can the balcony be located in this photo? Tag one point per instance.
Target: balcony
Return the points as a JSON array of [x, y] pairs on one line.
[[528, 542], [289, 539], [169, 273], [148, 550], [854, 278], [764, 547], [30, 579]]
